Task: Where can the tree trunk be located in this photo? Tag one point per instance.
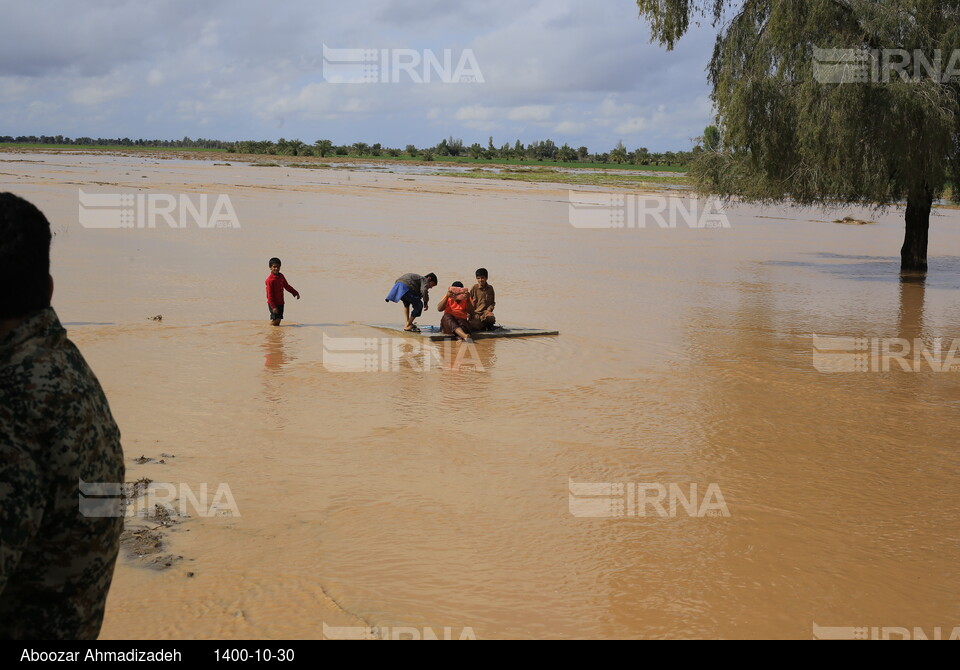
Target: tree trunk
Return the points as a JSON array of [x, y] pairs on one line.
[[913, 255]]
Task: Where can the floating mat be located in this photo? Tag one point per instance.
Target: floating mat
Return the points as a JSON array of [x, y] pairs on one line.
[[434, 335]]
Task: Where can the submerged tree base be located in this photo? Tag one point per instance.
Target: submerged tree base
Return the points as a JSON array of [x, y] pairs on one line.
[[913, 255]]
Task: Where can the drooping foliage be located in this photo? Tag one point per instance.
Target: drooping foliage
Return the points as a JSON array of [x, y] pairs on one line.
[[886, 131]]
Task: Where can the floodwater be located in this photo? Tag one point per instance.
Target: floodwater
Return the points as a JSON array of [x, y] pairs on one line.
[[432, 496]]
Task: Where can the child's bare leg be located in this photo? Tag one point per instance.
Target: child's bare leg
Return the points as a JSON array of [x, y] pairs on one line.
[[463, 335], [406, 314]]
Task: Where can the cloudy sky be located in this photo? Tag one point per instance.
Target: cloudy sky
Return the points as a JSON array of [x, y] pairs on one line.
[[569, 70]]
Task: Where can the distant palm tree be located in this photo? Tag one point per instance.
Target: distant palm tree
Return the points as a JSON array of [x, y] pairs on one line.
[[295, 147], [619, 153], [323, 147]]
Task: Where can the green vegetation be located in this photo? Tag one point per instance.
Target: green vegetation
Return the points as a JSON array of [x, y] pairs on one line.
[[448, 150], [537, 162], [679, 169]]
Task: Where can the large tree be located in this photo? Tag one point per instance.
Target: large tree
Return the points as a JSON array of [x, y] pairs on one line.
[[796, 123]]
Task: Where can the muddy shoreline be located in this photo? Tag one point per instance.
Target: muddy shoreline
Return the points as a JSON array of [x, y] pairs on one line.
[[146, 539]]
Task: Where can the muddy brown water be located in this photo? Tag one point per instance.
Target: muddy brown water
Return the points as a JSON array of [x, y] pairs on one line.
[[433, 498]]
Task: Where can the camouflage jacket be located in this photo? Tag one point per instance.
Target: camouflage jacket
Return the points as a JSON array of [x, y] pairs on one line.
[[56, 429]]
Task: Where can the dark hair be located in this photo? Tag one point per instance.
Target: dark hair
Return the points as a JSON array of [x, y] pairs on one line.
[[24, 258], [482, 272], [432, 277], [458, 284], [274, 261]]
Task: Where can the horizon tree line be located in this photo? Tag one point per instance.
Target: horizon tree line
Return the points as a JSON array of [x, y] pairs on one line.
[[536, 151]]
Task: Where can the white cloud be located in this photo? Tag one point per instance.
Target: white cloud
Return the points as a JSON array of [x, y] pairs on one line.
[[97, 94], [155, 77], [475, 113], [37, 107], [323, 101], [13, 89], [569, 128], [209, 36], [612, 107], [572, 71], [633, 126], [531, 113]]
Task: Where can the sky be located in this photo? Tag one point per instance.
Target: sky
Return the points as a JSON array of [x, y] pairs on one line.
[[584, 73]]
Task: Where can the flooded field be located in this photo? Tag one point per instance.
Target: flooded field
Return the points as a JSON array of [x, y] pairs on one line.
[[412, 492]]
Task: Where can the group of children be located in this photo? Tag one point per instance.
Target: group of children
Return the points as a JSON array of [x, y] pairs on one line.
[[464, 312]]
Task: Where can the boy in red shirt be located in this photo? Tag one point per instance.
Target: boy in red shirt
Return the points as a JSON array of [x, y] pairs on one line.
[[276, 283]]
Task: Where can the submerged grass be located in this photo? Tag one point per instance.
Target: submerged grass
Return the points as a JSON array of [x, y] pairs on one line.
[[582, 179], [103, 147]]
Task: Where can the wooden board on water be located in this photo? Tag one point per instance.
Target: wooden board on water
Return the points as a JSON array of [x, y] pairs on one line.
[[434, 335]]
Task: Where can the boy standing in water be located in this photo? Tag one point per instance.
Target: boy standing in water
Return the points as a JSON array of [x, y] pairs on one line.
[[413, 291], [276, 284]]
